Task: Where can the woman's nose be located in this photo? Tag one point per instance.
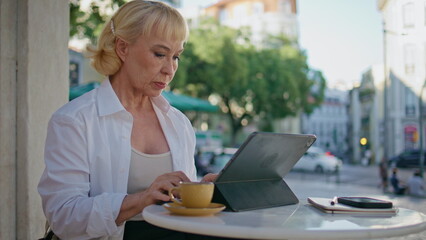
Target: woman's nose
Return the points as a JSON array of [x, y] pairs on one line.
[[169, 67]]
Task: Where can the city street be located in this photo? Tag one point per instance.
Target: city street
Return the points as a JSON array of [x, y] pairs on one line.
[[354, 181]]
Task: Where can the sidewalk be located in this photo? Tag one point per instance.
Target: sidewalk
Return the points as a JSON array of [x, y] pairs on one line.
[[304, 188]]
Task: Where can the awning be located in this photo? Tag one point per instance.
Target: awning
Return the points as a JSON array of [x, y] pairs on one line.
[[81, 89], [187, 103], [179, 101]]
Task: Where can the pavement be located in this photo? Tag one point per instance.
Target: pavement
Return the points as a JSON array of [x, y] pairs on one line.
[[328, 186]]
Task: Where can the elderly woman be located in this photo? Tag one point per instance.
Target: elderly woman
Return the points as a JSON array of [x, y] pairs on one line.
[[121, 147]]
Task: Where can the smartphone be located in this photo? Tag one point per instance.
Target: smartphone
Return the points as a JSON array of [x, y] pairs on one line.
[[364, 202]]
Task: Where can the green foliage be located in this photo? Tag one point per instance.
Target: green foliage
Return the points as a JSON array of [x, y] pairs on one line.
[[316, 93], [88, 24]]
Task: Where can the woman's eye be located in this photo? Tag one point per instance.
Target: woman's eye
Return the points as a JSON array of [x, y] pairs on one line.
[[177, 58], [159, 55]]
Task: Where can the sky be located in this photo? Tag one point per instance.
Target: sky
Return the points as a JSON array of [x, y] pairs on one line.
[[341, 38]]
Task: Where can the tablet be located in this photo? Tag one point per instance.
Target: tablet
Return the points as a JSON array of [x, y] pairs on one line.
[[266, 156], [253, 177]]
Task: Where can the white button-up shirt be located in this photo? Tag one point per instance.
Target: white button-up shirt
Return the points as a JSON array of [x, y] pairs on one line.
[[87, 157]]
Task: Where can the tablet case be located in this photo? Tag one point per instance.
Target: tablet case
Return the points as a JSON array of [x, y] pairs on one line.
[[253, 178]]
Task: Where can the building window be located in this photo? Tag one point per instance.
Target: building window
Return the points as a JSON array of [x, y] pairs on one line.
[[424, 59], [258, 8], [424, 12], [409, 58], [410, 103], [223, 15], [73, 74], [408, 15], [284, 6]]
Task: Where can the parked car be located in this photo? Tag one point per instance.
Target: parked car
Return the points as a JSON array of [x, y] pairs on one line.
[[407, 159], [317, 160]]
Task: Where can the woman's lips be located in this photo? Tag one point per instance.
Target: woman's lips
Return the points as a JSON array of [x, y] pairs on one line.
[[160, 85]]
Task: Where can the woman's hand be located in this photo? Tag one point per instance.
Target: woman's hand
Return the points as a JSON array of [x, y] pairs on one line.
[[158, 191], [209, 177], [133, 204]]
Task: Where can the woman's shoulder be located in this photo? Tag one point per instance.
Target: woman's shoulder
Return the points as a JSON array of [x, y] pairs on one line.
[[79, 106]]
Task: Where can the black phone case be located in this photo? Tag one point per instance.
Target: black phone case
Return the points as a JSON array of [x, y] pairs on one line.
[[358, 202]]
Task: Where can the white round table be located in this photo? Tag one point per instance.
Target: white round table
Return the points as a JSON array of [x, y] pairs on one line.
[[299, 221]]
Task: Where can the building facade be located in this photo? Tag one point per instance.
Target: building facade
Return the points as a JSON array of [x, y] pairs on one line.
[[404, 24], [76, 67], [366, 128], [263, 17], [329, 123], [80, 70]]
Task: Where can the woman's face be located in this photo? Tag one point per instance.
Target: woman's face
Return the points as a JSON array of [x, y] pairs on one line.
[[150, 64]]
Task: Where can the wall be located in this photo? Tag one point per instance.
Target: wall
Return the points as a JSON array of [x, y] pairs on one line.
[[7, 119], [33, 83]]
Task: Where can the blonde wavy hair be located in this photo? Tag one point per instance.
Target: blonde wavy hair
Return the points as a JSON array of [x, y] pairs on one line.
[[132, 20]]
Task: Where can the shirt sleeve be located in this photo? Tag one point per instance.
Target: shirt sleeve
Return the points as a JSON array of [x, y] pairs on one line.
[[65, 185]]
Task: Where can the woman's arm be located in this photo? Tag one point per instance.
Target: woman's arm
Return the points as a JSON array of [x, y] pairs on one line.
[[66, 184]]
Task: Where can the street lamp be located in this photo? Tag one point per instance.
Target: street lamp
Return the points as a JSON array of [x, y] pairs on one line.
[[421, 163], [385, 96]]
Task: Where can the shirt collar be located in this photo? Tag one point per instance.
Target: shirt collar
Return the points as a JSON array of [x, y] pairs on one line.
[[161, 103], [108, 102]]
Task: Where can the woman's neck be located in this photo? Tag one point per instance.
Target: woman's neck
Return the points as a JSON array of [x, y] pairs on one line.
[[130, 98]]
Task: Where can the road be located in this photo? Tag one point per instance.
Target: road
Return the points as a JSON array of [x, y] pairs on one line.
[[354, 181], [352, 174]]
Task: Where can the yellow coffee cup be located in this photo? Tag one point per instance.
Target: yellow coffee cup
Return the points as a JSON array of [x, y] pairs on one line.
[[193, 194]]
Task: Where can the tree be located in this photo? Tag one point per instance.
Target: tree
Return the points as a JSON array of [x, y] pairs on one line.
[[89, 23], [269, 83], [220, 70]]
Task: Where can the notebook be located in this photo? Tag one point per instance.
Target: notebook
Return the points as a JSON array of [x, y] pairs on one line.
[[253, 177]]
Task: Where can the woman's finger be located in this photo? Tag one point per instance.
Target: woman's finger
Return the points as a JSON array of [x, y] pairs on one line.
[[209, 177]]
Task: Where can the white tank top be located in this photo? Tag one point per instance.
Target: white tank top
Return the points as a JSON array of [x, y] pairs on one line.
[[144, 169]]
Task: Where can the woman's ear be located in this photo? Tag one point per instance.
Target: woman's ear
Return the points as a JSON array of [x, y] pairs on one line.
[[121, 48]]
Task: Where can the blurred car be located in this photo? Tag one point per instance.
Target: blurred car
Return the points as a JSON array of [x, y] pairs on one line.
[[204, 158], [407, 159], [222, 159], [317, 160]]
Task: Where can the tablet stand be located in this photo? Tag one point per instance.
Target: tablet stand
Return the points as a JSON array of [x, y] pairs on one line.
[[249, 195]]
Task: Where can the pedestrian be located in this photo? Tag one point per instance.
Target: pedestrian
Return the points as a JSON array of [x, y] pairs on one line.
[[121, 147], [383, 172], [398, 187], [416, 186]]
